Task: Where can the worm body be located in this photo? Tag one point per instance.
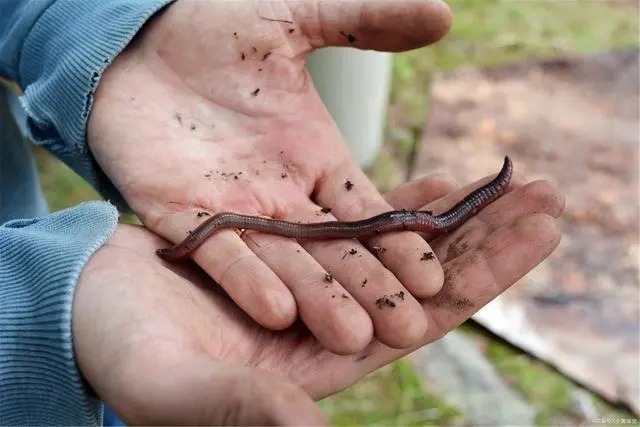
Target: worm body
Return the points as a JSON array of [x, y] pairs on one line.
[[420, 221]]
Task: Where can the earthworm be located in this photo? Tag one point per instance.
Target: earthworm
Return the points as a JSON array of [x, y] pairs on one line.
[[411, 220]]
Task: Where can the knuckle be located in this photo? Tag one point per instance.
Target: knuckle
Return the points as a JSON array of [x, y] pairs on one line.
[[406, 328], [349, 333], [232, 265], [362, 207], [546, 195]]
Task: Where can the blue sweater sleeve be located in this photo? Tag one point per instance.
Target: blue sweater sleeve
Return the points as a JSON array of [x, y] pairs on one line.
[[56, 51], [40, 260]]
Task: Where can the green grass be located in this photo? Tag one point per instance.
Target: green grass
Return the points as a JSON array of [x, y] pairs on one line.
[[62, 187], [541, 386], [484, 33], [393, 396]]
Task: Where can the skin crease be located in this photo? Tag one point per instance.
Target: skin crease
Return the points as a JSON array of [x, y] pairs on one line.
[[161, 344], [180, 132]]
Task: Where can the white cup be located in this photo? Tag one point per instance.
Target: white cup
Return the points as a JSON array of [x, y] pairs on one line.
[[354, 85]]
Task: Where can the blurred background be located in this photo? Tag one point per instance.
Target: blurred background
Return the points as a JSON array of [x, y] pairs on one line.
[[554, 84]]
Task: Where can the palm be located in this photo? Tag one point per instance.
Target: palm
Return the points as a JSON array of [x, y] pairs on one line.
[[176, 321], [211, 110]]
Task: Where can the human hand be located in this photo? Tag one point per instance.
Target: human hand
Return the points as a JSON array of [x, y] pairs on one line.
[[161, 344], [210, 109]]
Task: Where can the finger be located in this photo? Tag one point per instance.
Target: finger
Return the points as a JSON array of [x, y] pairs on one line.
[[198, 390], [416, 193], [542, 192], [481, 274], [243, 275], [329, 310], [446, 202], [534, 197], [358, 294], [473, 280], [397, 316], [386, 25], [348, 191]]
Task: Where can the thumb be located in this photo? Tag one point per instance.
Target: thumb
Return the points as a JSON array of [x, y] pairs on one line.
[[384, 25], [205, 391]]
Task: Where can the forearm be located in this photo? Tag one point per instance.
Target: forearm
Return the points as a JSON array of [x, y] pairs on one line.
[[40, 260]]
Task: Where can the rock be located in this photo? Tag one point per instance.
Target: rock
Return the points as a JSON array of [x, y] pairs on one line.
[[455, 369]]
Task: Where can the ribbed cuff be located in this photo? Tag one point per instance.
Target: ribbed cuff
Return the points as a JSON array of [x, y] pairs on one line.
[[62, 61], [40, 261]]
